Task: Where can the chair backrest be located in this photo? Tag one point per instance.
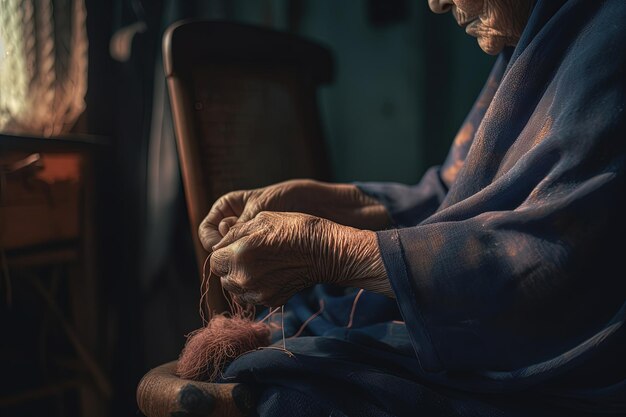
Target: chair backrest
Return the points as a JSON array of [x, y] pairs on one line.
[[245, 112]]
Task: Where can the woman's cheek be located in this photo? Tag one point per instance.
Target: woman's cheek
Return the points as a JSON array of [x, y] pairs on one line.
[[470, 7]]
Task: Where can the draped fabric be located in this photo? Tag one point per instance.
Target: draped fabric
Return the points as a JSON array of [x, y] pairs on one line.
[[506, 261]]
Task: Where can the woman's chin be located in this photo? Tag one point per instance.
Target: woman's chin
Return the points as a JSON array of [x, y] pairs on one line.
[[491, 45]]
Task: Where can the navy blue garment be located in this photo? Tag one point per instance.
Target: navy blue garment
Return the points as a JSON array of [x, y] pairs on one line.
[[506, 261]]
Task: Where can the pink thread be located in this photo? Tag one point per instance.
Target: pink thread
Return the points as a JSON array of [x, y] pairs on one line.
[[269, 314], [282, 327], [356, 300], [204, 291], [310, 319]]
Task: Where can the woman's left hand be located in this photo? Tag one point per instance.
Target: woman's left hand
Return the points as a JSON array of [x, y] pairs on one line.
[[273, 256]]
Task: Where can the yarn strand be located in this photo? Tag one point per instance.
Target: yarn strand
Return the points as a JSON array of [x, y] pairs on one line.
[[204, 291], [307, 321], [356, 300]]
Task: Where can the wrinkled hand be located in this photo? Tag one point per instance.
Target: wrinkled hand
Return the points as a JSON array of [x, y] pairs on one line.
[[341, 203], [270, 258]]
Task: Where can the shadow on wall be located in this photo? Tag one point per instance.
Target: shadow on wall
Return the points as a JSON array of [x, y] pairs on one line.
[[405, 80]]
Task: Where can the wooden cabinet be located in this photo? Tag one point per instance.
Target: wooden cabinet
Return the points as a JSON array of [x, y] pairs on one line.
[[52, 353]]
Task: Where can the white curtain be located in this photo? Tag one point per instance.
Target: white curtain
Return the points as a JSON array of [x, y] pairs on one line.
[[43, 65]]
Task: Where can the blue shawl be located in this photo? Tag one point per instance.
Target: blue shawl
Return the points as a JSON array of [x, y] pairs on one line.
[[506, 260]]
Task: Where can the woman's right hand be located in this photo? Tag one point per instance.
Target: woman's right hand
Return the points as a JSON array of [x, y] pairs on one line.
[[341, 203], [270, 258]]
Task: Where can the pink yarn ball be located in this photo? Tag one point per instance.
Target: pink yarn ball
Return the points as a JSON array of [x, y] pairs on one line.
[[210, 349]]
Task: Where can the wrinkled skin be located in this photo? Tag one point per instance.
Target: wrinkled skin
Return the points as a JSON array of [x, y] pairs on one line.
[[494, 23], [268, 259], [341, 203], [272, 242]]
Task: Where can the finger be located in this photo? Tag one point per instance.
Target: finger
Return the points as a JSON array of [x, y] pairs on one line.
[[248, 297], [235, 232], [220, 262], [226, 224], [209, 235], [230, 284], [229, 205], [249, 212]]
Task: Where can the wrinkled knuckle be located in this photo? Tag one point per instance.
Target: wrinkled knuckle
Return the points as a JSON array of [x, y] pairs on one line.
[[245, 285], [240, 252], [243, 280], [234, 230], [229, 285], [236, 284], [262, 300], [311, 222], [264, 215], [234, 195], [247, 195], [254, 205], [221, 202], [253, 297]]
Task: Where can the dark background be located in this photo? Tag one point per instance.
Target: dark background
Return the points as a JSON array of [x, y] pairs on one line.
[[405, 78]]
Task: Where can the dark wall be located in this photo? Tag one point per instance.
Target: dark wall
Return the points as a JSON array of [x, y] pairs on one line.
[[405, 80]]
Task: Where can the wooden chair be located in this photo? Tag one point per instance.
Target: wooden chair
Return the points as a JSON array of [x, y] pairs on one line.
[[245, 113]]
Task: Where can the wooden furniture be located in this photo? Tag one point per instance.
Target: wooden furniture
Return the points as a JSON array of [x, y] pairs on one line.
[[51, 348], [245, 113]]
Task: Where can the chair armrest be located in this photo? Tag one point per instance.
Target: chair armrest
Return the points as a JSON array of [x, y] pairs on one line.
[[161, 393]]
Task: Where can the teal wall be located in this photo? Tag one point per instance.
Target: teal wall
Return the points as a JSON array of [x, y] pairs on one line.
[[372, 112], [401, 89]]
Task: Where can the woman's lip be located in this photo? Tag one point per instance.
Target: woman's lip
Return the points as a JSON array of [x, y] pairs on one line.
[[462, 18], [464, 24], [470, 27]]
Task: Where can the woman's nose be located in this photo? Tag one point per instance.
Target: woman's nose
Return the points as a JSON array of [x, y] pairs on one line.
[[440, 6]]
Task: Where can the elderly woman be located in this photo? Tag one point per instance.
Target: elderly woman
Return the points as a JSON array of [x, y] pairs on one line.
[[496, 285]]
